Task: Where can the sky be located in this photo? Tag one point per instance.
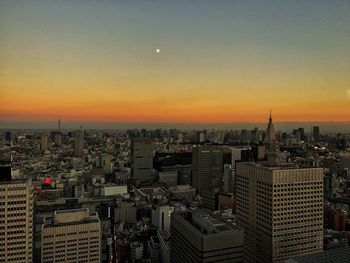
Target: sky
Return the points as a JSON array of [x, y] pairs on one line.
[[221, 61]]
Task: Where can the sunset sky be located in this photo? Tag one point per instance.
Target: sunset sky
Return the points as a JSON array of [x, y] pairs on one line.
[[218, 61]]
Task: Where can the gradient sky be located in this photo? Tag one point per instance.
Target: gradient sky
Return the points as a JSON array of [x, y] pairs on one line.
[[219, 61]]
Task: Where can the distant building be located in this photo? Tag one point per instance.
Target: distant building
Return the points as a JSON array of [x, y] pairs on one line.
[[182, 192], [113, 189], [79, 142], [71, 236], [16, 220], [142, 160], [125, 212], [44, 142], [207, 169], [105, 162], [58, 139], [316, 133], [169, 178], [280, 210], [200, 237]]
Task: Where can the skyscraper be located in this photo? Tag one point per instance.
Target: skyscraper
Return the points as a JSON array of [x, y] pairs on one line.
[[79, 142], [271, 135], [44, 142], [207, 168], [142, 160], [198, 236], [16, 220], [71, 236], [280, 209], [316, 133]]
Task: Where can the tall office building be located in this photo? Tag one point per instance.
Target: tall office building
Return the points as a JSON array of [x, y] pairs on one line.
[[198, 236], [316, 133], [207, 169], [16, 219], [44, 142], [270, 133], [79, 142], [71, 236], [280, 209], [142, 160]]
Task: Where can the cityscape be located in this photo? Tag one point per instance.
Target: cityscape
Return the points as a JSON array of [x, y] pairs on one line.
[[174, 131]]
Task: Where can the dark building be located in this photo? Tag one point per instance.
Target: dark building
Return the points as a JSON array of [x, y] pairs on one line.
[[142, 160], [207, 168], [198, 236], [316, 133]]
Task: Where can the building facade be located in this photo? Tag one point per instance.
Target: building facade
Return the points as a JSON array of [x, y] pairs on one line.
[[16, 221], [71, 236], [280, 210], [142, 160], [79, 142], [198, 236], [207, 169]]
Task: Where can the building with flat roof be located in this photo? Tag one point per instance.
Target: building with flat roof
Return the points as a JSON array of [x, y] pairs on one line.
[[207, 169], [16, 220], [71, 236], [142, 160], [332, 255], [280, 209], [199, 236]]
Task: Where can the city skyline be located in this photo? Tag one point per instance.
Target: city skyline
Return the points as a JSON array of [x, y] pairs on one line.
[[165, 62]]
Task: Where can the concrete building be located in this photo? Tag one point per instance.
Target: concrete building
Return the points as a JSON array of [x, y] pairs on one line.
[[153, 249], [280, 210], [169, 178], [316, 133], [332, 255], [136, 251], [71, 236], [112, 189], [161, 217], [165, 244], [44, 142], [105, 162], [79, 142], [207, 169], [198, 236], [16, 220], [125, 212], [182, 192], [142, 160]]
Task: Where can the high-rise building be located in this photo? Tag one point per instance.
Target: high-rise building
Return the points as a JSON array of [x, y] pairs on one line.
[[16, 220], [44, 142], [142, 160], [207, 169], [316, 133], [271, 135], [280, 209], [79, 142], [198, 236], [71, 236], [161, 217]]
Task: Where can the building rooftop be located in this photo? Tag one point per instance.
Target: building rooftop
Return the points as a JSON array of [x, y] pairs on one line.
[[71, 217], [333, 255]]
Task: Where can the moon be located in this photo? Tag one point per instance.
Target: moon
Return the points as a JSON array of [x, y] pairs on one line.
[[157, 50]]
